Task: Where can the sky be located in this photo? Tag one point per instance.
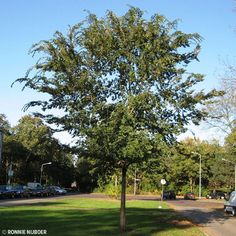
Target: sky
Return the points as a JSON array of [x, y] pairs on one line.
[[25, 22]]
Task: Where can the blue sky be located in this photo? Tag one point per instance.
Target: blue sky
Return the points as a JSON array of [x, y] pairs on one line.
[[25, 22]]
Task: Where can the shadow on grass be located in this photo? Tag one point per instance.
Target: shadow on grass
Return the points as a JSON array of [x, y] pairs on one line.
[[6, 205], [46, 204], [84, 222]]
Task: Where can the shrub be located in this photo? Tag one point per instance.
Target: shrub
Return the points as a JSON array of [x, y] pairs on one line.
[[112, 191]]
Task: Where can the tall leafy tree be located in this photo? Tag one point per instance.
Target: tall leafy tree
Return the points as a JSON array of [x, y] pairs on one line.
[[123, 85], [4, 124]]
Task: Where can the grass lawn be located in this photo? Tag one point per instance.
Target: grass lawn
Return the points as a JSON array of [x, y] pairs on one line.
[[88, 217]]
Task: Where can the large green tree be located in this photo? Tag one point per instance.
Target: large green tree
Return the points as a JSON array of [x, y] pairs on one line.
[[123, 85]]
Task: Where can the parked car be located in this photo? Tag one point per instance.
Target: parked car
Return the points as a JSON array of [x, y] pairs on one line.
[[34, 185], [169, 195], [7, 191], [51, 190], [189, 196], [39, 192], [230, 205], [2, 190], [21, 191], [216, 195], [59, 190]]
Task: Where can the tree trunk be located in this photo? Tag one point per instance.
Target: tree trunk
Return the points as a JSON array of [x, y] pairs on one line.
[[191, 184], [122, 202]]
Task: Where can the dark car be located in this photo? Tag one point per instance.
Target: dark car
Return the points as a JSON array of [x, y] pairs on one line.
[[51, 190], [7, 191], [39, 192], [169, 195], [216, 195], [189, 196], [22, 191], [56, 190]]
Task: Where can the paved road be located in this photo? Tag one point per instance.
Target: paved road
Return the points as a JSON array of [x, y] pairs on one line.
[[207, 214]]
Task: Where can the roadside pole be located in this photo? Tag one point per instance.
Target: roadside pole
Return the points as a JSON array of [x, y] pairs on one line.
[[163, 182]]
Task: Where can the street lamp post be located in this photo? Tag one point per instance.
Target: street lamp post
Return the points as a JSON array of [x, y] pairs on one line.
[[41, 170], [200, 167], [200, 174], [135, 183], [223, 159]]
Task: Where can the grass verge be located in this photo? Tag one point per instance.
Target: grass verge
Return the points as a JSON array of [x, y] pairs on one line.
[[98, 217]]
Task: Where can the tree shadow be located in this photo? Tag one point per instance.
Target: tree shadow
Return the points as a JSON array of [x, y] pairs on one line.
[[46, 203], [13, 203]]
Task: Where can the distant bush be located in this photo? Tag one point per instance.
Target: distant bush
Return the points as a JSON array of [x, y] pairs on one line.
[[112, 191]]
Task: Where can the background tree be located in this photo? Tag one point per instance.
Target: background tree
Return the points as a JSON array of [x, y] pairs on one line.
[[29, 145], [213, 176], [13, 160], [35, 137], [229, 76], [122, 84], [6, 129], [230, 154], [4, 123], [222, 110], [87, 175], [185, 165]]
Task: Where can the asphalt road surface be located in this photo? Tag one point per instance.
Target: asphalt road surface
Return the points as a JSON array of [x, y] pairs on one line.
[[207, 214]]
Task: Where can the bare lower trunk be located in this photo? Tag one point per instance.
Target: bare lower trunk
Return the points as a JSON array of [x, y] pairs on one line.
[[191, 184], [122, 203]]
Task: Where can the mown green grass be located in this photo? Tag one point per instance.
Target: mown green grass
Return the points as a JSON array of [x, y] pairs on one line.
[[88, 217]]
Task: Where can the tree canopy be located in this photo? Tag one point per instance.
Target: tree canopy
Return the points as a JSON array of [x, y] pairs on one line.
[[123, 85]]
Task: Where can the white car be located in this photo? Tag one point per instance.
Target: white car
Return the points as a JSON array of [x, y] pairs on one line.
[[230, 205], [59, 190]]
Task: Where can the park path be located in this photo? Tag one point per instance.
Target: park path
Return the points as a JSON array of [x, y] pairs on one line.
[[208, 215]]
